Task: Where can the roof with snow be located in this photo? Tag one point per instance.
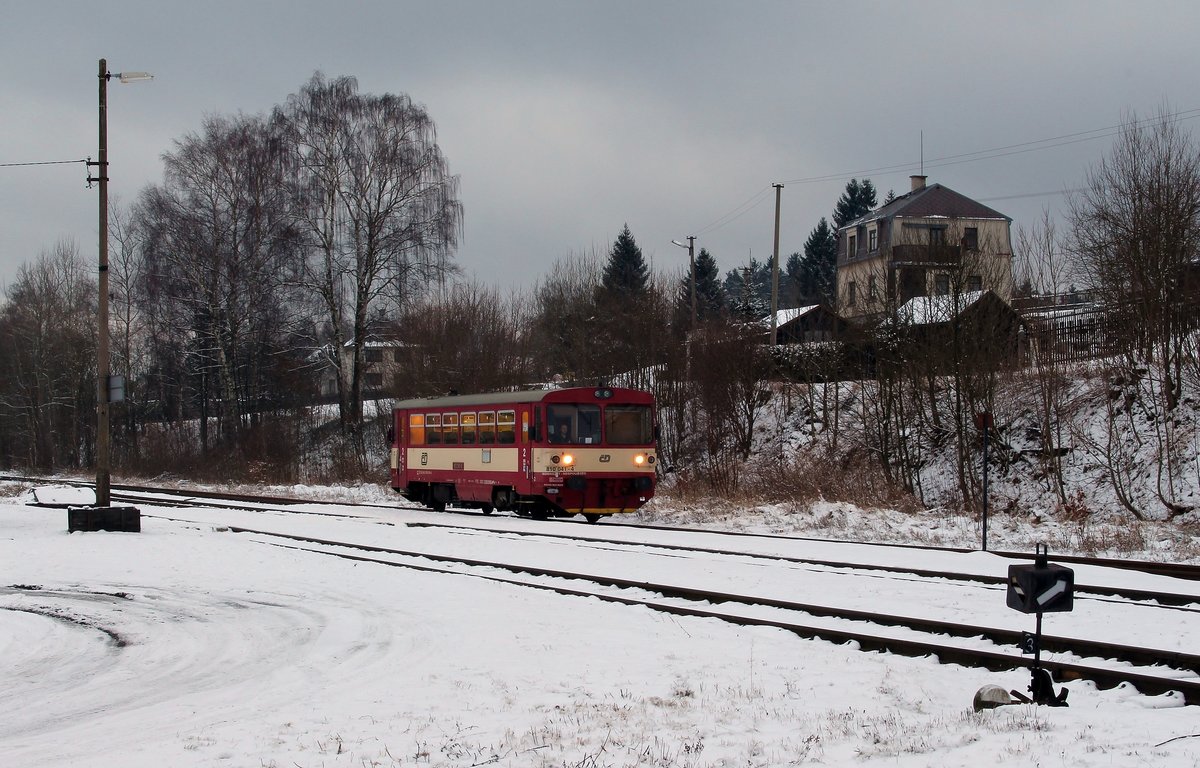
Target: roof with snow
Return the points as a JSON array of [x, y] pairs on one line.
[[788, 315], [927, 310]]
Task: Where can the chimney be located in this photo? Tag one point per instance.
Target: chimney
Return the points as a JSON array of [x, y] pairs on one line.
[[918, 182]]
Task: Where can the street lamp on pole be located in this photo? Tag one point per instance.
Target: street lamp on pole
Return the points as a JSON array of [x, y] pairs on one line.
[[103, 389], [775, 272], [691, 249]]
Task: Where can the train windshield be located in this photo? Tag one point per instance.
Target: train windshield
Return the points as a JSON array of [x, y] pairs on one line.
[[580, 424], [628, 424], [573, 424]]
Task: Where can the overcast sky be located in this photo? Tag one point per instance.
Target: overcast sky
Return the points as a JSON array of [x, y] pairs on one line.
[[567, 120]]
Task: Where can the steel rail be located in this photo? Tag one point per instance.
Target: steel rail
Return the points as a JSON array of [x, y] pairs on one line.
[[1146, 683], [1175, 570]]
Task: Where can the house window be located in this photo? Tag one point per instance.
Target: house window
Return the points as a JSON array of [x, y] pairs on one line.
[[852, 248], [937, 236], [941, 284], [871, 286], [852, 293], [873, 240], [374, 355], [974, 283], [971, 238], [373, 381]]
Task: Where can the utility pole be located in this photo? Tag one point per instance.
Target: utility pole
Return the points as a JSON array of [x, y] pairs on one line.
[[691, 249], [103, 516], [103, 436], [746, 288], [775, 269], [692, 269]]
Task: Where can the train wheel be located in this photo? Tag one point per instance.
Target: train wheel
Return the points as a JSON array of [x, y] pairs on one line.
[[592, 518], [487, 509], [538, 514], [437, 506]]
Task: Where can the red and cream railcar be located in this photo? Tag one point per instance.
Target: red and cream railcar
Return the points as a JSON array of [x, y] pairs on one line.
[[541, 453]]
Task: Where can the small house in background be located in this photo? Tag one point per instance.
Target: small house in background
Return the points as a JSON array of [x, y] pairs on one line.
[[382, 362], [814, 323], [981, 323], [932, 241]]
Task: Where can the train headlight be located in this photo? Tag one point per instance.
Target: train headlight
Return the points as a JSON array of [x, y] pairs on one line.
[[568, 459], [640, 459]]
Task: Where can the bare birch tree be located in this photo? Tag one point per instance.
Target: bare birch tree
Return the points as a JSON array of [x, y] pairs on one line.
[[376, 209]]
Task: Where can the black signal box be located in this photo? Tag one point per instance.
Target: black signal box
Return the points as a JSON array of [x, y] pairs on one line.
[[1040, 588]]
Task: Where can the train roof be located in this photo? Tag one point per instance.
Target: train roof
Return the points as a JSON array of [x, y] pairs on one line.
[[570, 394]]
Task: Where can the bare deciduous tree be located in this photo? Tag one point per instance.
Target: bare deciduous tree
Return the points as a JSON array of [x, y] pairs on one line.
[[1135, 230], [565, 318], [470, 340], [217, 234], [1136, 234], [376, 209], [47, 384]]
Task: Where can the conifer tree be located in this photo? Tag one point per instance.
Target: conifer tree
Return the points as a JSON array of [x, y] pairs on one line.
[[625, 275], [750, 300], [819, 268], [791, 291], [857, 200], [710, 296]]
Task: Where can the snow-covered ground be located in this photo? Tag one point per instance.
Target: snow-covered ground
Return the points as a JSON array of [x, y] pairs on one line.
[[188, 645]]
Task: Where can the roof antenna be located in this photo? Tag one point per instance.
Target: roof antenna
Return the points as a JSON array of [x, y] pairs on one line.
[[922, 151]]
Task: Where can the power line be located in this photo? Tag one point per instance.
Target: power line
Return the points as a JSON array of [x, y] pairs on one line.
[[1032, 194], [757, 199], [44, 162], [1007, 150], [993, 153]]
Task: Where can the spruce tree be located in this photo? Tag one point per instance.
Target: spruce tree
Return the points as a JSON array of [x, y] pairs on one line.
[[791, 291], [625, 275], [749, 300], [710, 295], [857, 200], [819, 272]]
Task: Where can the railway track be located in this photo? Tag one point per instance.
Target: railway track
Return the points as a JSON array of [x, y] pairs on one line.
[[133, 494], [1151, 671]]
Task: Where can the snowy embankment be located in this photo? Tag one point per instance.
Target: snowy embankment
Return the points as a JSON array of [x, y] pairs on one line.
[[187, 645]]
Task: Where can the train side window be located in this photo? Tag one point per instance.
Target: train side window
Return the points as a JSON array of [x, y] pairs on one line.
[[487, 427], [468, 428], [506, 427], [433, 428], [450, 428], [416, 428]]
